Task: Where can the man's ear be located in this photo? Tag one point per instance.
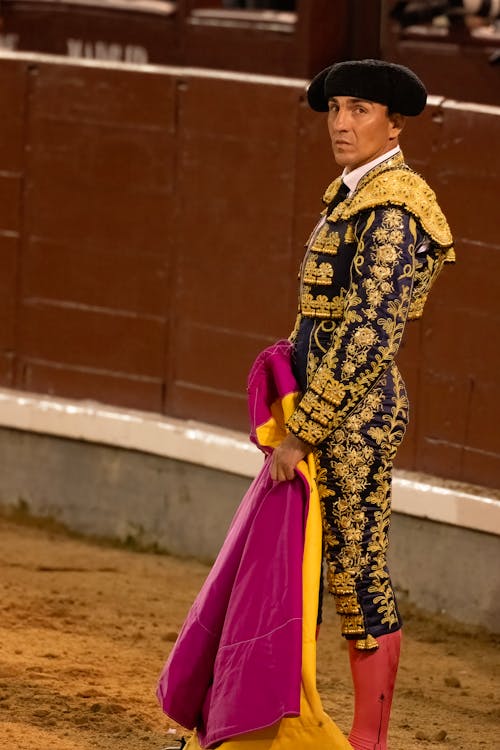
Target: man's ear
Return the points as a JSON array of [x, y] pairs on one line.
[[398, 122]]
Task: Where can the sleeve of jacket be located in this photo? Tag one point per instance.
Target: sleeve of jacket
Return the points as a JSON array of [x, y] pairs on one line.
[[293, 335], [368, 337]]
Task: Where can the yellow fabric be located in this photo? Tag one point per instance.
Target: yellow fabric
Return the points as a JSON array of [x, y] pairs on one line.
[[313, 729], [272, 432]]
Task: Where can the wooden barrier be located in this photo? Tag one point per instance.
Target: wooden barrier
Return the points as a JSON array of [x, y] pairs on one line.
[[457, 62], [195, 32], [152, 224]]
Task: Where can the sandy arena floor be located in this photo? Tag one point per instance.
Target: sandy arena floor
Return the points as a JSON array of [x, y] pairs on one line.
[[85, 629]]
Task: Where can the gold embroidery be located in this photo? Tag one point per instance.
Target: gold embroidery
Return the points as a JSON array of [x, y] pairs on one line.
[[349, 234], [331, 191], [312, 410], [310, 431], [321, 306], [355, 537], [394, 183], [353, 625], [324, 328], [404, 189], [341, 583], [427, 270], [389, 438], [347, 605], [293, 335], [312, 365], [321, 274], [366, 644], [348, 400], [330, 389], [372, 325], [326, 241]]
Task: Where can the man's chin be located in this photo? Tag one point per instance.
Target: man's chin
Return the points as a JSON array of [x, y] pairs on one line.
[[342, 160]]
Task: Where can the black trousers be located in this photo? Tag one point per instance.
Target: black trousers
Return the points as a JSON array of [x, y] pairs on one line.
[[354, 466]]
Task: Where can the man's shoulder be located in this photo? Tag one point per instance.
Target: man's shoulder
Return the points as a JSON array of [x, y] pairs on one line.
[[399, 187], [398, 182]]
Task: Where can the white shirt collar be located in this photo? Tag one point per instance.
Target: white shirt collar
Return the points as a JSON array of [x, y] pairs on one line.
[[351, 179]]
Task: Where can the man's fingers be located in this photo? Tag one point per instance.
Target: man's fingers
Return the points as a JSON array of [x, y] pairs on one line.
[[280, 476], [282, 468], [282, 473], [273, 471], [277, 473]]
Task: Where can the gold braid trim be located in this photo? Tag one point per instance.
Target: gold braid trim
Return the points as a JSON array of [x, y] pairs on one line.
[[393, 183], [366, 644], [331, 191], [395, 161]]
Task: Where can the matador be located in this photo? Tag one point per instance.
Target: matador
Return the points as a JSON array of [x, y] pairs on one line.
[[371, 260]]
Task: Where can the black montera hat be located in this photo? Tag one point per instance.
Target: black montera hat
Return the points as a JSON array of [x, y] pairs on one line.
[[374, 80]]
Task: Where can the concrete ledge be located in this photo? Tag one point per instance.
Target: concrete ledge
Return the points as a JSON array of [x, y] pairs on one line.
[[446, 569], [146, 501], [227, 451]]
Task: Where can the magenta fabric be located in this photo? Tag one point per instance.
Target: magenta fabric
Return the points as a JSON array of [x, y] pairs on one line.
[[270, 378], [236, 665]]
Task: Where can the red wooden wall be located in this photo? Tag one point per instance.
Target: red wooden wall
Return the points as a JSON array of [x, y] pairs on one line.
[[151, 228]]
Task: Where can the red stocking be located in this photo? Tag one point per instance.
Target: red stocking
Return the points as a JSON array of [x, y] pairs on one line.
[[374, 676]]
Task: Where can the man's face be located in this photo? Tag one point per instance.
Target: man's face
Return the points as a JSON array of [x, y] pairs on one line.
[[360, 130]]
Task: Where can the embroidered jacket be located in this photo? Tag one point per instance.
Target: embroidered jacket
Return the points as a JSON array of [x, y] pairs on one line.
[[369, 266]]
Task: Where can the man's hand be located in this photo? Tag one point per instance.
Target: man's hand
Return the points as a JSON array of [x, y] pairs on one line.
[[286, 457]]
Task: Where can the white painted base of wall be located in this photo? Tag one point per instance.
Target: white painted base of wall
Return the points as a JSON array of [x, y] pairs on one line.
[[226, 450]]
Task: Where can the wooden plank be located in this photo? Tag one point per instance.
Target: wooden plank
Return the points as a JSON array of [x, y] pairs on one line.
[[12, 94], [83, 337], [8, 291], [109, 277], [232, 276], [106, 387]]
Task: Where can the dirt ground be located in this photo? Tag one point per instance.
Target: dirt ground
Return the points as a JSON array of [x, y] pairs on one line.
[[85, 629]]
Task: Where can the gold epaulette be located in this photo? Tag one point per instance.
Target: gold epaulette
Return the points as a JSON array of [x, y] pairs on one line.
[[398, 186]]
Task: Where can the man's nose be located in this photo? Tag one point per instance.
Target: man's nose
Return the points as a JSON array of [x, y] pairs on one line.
[[341, 121]]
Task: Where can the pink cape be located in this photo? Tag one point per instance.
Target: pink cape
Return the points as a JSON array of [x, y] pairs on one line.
[[236, 665]]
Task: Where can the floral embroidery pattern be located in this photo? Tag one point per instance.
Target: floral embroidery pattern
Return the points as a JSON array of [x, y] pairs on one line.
[[354, 483], [354, 408], [367, 339], [395, 184]]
